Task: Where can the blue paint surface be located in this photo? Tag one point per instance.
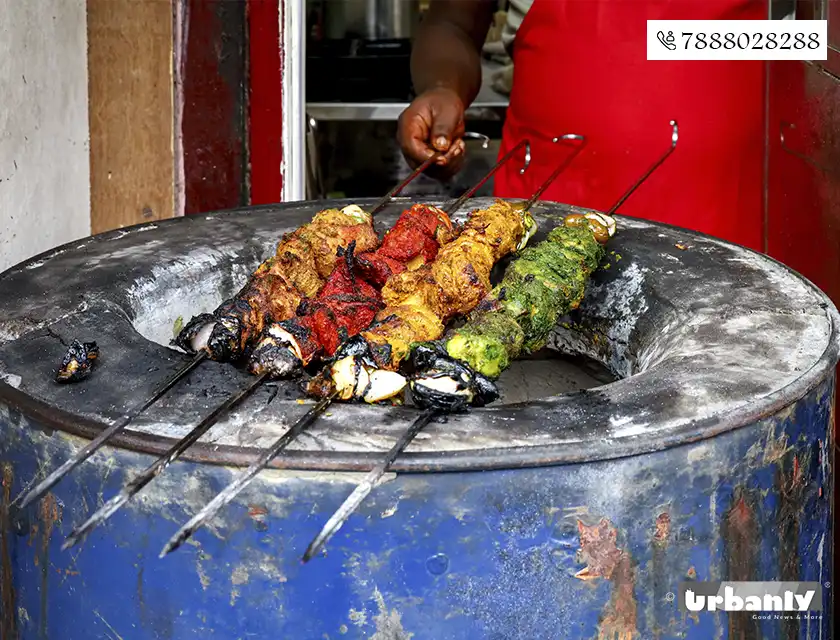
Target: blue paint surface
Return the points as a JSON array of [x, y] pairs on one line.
[[459, 556]]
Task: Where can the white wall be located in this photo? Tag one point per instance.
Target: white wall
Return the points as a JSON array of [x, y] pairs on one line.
[[44, 160]]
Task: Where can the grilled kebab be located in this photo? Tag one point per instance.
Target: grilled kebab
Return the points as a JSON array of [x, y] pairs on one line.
[[414, 240], [347, 304], [540, 286], [303, 260], [420, 303]]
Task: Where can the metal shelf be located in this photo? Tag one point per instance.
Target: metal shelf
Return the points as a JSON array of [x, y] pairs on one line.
[[486, 106]]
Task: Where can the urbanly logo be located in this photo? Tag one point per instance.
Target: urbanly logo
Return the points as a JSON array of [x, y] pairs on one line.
[[791, 597]]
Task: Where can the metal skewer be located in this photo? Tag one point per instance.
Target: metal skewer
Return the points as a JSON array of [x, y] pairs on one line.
[[97, 443], [201, 518], [156, 468], [675, 135], [560, 167], [55, 477], [233, 489], [367, 484], [402, 185], [454, 206], [370, 481]]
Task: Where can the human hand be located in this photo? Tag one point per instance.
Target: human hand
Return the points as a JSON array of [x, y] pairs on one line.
[[434, 121]]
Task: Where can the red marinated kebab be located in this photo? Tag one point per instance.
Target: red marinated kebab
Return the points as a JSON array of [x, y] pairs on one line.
[[348, 303]]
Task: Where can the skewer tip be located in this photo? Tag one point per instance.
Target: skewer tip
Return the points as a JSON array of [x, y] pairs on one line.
[[71, 541], [175, 543], [311, 551], [79, 534]]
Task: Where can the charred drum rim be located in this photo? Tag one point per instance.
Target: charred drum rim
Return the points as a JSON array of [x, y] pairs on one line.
[[48, 418]]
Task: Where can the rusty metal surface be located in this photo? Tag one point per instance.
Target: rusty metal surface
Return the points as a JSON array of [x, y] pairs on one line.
[[803, 206], [804, 172], [653, 312], [578, 551], [8, 620]]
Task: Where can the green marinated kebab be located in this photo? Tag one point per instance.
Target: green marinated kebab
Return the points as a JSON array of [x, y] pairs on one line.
[[516, 318]]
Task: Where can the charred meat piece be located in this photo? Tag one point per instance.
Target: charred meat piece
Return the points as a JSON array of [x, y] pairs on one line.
[[78, 362], [355, 374], [421, 302], [444, 383], [245, 316], [540, 286], [226, 333], [304, 258], [196, 333], [413, 240], [346, 304]]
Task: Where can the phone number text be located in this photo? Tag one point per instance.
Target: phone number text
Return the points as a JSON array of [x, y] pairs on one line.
[[737, 40], [758, 41]]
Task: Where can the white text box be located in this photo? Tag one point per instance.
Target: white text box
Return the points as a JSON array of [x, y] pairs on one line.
[[737, 40]]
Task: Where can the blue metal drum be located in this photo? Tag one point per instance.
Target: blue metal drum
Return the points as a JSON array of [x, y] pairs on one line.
[[571, 509]]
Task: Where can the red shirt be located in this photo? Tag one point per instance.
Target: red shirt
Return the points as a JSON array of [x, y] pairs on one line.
[[580, 66]]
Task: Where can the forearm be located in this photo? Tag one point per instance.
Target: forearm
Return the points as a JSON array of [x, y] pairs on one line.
[[447, 49]]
